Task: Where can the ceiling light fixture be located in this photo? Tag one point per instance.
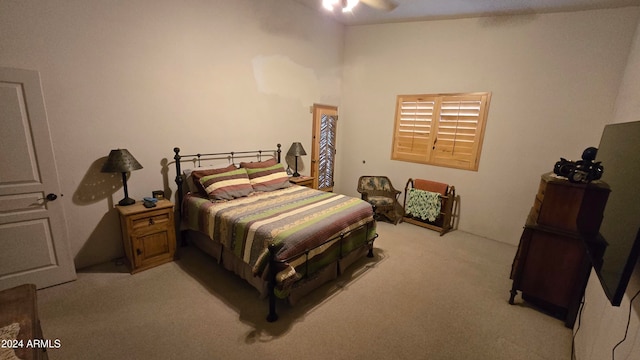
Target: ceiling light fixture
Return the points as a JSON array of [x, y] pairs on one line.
[[346, 5]]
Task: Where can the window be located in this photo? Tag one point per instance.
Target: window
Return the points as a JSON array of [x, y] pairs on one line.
[[443, 129], [323, 151]]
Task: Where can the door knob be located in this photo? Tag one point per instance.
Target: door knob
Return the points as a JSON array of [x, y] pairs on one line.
[[51, 196]]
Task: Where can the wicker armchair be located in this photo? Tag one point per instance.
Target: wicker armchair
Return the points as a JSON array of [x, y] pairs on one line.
[[380, 193]]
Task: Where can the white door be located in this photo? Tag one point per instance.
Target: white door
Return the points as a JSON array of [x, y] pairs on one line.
[[34, 247]]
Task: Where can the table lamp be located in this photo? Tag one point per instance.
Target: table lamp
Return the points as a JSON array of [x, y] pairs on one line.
[[296, 150], [121, 160]]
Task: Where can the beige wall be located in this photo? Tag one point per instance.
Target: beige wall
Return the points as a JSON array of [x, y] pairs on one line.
[[556, 80], [152, 75], [553, 78], [603, 325]]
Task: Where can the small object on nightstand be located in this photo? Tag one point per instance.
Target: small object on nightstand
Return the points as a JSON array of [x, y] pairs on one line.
[[149, 202], [302, 181], [158, 194]]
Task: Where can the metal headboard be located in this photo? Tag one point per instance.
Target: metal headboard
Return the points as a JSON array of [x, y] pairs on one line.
[[231, 156]]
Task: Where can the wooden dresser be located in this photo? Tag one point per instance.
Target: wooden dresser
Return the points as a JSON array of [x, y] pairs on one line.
[[148, 234], [551, 266]]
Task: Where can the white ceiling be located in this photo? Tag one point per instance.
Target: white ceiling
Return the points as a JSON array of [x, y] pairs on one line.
[[415, 10]]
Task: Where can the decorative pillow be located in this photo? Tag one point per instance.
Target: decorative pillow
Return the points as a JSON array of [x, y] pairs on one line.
[[266, 175], [194, 176], [227, 185], [188, 184]]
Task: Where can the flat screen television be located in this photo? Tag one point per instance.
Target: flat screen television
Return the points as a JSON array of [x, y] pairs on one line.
[[618, 239]]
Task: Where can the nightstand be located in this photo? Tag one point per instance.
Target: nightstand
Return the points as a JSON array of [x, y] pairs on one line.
[[148, 234], [302, 181]]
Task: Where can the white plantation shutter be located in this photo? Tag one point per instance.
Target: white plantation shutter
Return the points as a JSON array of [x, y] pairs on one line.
[[445, 130]]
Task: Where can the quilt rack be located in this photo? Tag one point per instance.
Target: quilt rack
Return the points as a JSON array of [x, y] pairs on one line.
[[442, 222]]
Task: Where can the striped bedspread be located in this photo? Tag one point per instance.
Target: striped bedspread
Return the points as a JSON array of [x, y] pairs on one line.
[[293, 219]]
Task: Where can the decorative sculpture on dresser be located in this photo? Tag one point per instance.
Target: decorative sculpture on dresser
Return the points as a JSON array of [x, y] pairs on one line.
[[581, 171]]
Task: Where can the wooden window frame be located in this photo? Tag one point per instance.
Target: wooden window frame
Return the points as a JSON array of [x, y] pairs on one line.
[[441, 129]]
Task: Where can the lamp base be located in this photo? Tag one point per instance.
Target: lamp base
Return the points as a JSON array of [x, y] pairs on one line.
[[126, 201], [296, 174]]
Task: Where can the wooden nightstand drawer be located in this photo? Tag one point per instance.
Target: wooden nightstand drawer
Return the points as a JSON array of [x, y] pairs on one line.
[[151, 220], [148, 234]]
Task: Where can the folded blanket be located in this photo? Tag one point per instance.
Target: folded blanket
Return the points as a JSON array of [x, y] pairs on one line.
[[423, 204]]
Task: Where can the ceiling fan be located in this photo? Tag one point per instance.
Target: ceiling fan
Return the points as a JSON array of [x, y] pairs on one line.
[[348, 5]]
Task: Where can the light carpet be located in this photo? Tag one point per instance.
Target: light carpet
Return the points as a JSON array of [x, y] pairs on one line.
[[423, 296]]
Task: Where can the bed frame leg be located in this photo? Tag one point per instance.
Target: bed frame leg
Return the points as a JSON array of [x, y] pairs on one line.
[[183, 238], [272, 316], [370, 253]]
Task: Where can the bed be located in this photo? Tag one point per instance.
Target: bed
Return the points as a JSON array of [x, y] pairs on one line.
[[284, 239]]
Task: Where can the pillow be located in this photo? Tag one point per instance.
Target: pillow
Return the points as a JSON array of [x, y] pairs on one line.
[[227, 185], [188, 185], [187, 182], [193, 177], [266, 175], [258, 164]]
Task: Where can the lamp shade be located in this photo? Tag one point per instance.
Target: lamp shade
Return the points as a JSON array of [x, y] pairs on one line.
[[296, 149], [120, 160]]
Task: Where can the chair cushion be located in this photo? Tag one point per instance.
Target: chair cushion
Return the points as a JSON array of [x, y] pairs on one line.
[[380, 200], [375, 183]]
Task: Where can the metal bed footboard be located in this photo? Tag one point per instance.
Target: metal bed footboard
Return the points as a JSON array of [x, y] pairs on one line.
[[273, 261]]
